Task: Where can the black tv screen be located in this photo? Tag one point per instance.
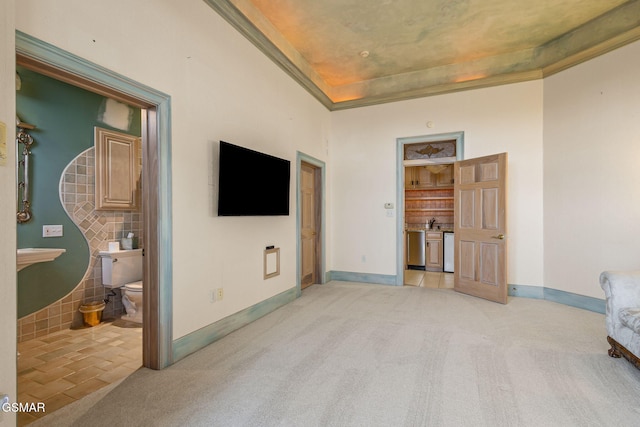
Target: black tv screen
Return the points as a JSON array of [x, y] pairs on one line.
[[252, 183]]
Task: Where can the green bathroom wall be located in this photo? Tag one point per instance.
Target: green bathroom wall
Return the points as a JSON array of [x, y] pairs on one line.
[[65, 117]]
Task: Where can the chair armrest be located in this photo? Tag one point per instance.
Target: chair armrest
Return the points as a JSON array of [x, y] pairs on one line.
[[622, 290], [622, 285]]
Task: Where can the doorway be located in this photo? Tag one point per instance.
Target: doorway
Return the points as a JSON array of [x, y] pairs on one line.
[[424, 168], [51, 61], [310, 212], [429, 223]]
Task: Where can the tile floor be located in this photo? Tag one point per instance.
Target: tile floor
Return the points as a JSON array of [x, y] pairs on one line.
[[428, 279], [67, 365]]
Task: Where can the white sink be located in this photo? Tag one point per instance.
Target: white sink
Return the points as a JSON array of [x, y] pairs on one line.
[[28, 256]]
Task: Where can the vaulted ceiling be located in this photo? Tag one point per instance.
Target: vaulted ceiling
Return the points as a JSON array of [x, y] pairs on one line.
[[351, 53]]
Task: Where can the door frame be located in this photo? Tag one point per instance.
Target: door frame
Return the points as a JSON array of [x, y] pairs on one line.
[[54, 62], [400, 143], [320, 255]]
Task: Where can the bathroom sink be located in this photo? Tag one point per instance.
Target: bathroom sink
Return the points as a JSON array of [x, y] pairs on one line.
[[28, 256]]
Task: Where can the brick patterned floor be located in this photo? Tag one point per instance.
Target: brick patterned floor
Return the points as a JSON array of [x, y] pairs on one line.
[[67, 365]]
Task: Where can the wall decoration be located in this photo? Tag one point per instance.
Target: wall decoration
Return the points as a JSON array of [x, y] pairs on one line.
[[430, 150]]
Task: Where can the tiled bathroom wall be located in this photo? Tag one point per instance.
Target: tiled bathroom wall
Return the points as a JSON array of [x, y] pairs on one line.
[[77, 192]]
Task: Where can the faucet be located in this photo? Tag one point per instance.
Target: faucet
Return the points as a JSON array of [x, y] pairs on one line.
[[431, 222]]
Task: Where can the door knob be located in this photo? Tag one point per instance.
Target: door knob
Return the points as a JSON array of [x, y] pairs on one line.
[[499, 236]]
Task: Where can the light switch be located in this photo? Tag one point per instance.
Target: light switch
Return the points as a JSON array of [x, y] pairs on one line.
[[52, 231]]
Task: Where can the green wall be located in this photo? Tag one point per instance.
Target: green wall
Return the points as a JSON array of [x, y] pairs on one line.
[[65, 117]]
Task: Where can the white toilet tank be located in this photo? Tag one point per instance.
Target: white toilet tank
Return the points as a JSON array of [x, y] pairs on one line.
[[121, 267]]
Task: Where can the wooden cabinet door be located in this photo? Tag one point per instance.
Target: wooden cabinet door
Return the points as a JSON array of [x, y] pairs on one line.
[[409, 183], [117, 170], [445, 178], [480, 226], [434, 254], [424, 178]]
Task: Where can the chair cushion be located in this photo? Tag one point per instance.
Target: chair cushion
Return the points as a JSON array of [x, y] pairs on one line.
[[630, 317]]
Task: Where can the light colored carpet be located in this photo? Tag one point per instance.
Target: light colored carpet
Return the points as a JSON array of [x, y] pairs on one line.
[[347, 354]]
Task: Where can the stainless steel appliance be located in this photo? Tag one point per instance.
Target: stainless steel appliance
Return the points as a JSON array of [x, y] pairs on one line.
[[416, 249], [448, 252]]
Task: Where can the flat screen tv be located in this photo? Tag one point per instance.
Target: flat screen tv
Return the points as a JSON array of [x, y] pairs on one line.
[[252, 183]]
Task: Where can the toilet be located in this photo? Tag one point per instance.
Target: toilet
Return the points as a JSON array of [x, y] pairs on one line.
[[123, 269]]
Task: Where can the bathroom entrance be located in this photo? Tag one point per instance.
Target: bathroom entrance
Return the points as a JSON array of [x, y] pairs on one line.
[[37, 56]]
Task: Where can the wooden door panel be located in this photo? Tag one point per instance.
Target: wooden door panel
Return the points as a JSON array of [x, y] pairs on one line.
[[488, 172], [480, 226], [489, 264], [490, 208], [467, 211], [307, 261], [467, 260], [309, 230], [467, 174]]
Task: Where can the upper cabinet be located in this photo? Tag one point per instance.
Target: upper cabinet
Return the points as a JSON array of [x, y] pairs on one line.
[[117, 170], [445, 178], [420, 177]]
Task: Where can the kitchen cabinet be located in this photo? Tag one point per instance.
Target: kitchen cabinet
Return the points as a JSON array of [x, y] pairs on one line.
[[445, 178], [418, 177], [434, 253]]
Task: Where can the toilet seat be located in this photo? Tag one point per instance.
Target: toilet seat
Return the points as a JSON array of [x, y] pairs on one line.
[[134, 286]]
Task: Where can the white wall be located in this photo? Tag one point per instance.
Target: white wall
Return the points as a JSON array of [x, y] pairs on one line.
[[8, 314], [592, 171], [221, 88], [363, 171]]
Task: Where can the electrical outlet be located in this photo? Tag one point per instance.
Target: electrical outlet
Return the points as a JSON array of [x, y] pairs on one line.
[[52, 231], [219, 294]]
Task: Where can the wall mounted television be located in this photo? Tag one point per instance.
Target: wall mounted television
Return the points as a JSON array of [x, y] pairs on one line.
[[252, 183]]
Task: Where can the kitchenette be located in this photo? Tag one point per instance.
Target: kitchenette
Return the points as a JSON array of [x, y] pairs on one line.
[[429, 249], [429, 217]]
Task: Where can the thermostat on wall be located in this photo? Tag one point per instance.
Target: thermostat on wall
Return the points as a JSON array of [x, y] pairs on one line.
[[388, 205]]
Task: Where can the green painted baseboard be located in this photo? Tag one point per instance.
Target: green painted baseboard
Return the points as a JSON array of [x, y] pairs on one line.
[[196, 340], [524, 291], [562, 297], [348, 276]]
